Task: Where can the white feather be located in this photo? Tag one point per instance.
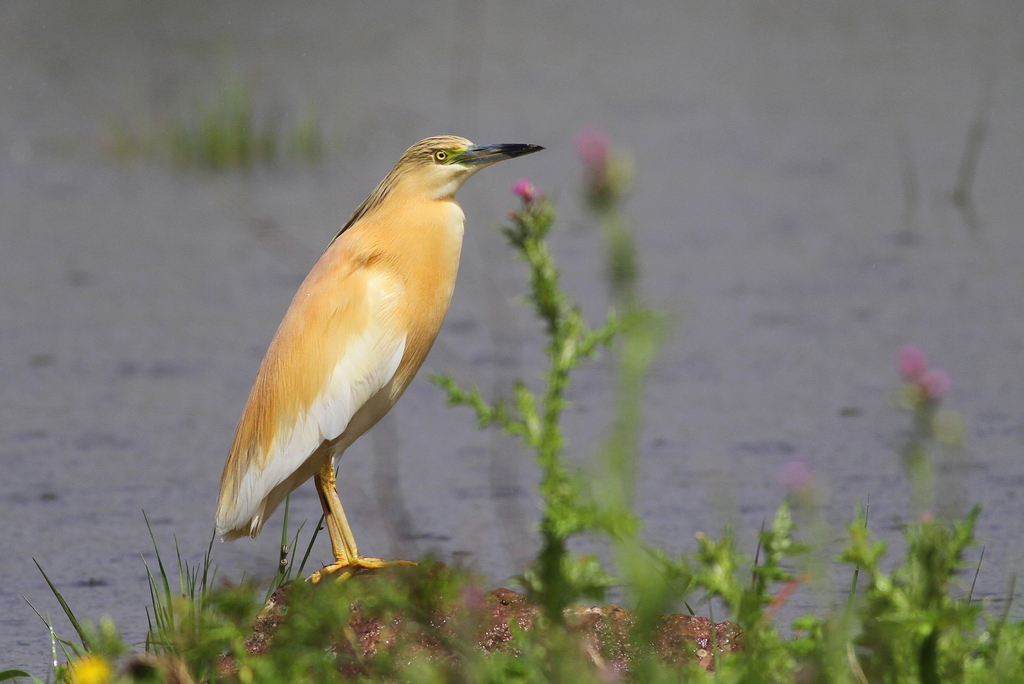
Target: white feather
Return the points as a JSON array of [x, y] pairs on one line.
[[368, 364]]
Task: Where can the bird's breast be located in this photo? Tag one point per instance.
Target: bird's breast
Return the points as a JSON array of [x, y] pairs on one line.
[[427, 251]]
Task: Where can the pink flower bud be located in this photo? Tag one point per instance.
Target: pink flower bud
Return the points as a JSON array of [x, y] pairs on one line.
[[934, 384], [910, 361], [796, 475], [524, 190], [593, 147]]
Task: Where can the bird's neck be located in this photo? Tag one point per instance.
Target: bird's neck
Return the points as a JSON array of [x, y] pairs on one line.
[[421, 233]]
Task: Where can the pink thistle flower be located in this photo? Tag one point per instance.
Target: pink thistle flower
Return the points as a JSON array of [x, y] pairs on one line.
[[911, 362], [525, 190], [594, 148], [934, 384], [796, 476]]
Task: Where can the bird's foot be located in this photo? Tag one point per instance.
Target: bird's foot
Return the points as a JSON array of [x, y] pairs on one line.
[[348, 568]]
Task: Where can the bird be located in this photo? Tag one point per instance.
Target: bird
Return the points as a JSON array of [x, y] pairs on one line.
[[351, 341]]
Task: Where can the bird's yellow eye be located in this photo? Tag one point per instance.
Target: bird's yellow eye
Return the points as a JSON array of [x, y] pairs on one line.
[[440, 156]]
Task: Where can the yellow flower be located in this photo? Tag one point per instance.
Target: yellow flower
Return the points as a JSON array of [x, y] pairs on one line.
[[90, 669]]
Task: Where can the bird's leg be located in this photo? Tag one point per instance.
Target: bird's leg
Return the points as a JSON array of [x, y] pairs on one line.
[[347, 560], [343, 543]]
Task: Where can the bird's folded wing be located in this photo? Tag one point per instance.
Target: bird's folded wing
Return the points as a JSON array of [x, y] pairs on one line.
[[337, 346]]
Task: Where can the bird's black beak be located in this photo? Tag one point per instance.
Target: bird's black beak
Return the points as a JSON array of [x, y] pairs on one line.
[[488, 154]]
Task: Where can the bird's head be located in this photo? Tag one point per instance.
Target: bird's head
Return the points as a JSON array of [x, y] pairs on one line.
[[440, 165]]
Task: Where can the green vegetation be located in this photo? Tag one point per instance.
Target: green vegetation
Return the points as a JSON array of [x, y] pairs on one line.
[[908, 624], [227, 135]]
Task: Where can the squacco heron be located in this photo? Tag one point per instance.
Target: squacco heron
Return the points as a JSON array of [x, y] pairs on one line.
[[354, 336]]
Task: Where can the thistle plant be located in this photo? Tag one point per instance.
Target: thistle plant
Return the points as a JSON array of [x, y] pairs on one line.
[[556, 580], [922, 394], [570, 507]]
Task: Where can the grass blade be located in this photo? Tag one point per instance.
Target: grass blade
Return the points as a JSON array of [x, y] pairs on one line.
[[1009, 600], [159, 561], [316, 531], [757, 556], [54, 639], [66, 607], [977, 571], [283, 569], [856, 571], [7, 675]]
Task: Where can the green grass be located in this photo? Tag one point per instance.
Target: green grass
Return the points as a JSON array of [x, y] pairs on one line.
[[904, 619], [227, 134]]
